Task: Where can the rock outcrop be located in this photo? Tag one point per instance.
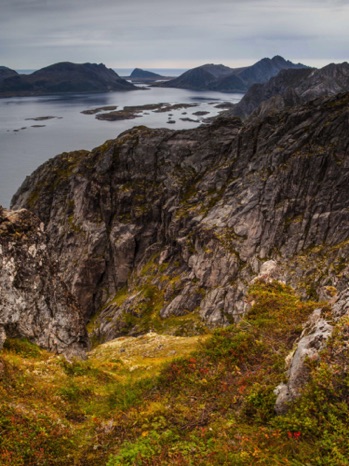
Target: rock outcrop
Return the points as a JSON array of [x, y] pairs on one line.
[[311, 342], [34, 303], [65, 77], [313, 339], [224, 79], [161, 224]]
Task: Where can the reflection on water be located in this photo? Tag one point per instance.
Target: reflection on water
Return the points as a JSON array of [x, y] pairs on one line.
[[25, 144]]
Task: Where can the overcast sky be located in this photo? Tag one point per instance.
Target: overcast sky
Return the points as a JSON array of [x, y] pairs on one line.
[[171, 33]]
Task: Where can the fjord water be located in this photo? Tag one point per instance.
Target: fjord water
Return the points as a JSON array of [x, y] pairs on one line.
[[27, 139]]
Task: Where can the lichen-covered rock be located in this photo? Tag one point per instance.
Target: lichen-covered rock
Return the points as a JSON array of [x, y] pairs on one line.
[[34, 303], [312, 340]]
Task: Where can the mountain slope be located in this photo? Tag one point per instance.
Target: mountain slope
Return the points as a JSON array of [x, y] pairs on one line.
[[65, 77], [165, 230]]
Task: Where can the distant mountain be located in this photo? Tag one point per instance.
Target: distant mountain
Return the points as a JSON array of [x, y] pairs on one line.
[[291, 87], [65, 77], [225, 79], [138, 73], [265, 69], [206, 77], [6, 73]]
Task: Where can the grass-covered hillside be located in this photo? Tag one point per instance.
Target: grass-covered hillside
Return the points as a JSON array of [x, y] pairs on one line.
[[165, 400]]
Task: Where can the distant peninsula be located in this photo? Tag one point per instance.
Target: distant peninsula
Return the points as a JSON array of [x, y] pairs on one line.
[[64, 77]]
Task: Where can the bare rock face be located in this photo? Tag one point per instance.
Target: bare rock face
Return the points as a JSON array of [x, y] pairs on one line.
[[160, 224], [34, 303]]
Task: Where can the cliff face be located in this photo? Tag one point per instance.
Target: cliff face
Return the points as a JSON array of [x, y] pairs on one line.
[[163, 229], [34, 303]]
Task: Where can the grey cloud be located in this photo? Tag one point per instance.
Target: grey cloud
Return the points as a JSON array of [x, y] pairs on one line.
[[35, 33]]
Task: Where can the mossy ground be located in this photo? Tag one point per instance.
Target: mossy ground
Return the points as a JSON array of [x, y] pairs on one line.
[[213, 406]]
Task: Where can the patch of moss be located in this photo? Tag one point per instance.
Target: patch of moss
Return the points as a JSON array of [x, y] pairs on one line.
[[22, 347]]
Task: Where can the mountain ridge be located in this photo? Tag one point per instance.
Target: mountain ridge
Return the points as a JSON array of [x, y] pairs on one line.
[[225, 79]]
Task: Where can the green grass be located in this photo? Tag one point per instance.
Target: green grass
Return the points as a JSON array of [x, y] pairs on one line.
[[162, 400]]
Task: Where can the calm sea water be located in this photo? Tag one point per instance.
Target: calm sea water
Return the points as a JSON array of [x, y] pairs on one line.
[[26, 143]]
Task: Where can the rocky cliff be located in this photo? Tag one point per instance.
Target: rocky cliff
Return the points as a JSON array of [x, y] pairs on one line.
[[165, 230], [65, 77], [34, 302]]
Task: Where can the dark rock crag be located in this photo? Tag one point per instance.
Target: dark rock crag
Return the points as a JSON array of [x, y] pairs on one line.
[[162, 224], [65, 77], [34, 303]]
